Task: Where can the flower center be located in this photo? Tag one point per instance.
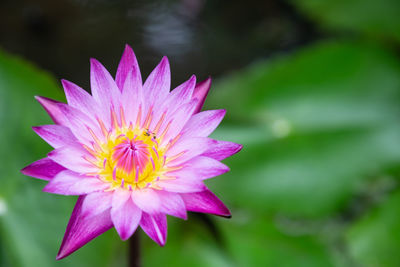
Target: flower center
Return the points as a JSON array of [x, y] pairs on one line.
[[131, 153], [130, 157]]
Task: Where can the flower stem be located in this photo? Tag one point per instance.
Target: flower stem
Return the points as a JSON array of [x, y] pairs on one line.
[[134, 250]]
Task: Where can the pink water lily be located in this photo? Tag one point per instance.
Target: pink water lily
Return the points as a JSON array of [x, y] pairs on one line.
[[133, 152]]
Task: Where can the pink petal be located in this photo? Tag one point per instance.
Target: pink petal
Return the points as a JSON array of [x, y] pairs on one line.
[[173, 105], [44, 169], [155, 226], [203, 124], [104, 89], [128, 65], [73, 158], [147, 200], [220, 150], [56, 135], [157, 85], [97, 202], [82, 228], [205, 202], [75, 120], [201, 92], [132, 97], [70, 183], [182, 185], [179, 119], [201, 168], [83, 101], [187, 149], [172, 204], [125, 214], [183, 92], [120, 196], [51, 107]]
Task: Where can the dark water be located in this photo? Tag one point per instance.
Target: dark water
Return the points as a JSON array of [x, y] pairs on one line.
[[200, 37]]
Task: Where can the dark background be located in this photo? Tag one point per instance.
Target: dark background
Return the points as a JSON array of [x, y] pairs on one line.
[[201, 37]]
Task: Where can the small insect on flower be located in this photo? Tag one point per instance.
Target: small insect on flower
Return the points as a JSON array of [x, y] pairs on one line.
[[133, 152]]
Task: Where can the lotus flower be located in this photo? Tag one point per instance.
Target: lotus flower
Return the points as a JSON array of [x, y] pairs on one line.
[[132, 152]]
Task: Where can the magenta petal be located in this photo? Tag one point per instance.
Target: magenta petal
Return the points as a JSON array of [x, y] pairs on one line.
[[203, 123], [157, 85], [82, 100], [155, 226], [132, 96], [201, 168], [44, 169], [51, 107], [201, 92], [183, 92], [73, 158], [220, 150], [82, 228], [77, 121], [97, 202], [187, 149], [125, 214], [147, 200], [182, 185], [205, 202], [55, 135], [70, 183], [179, 119], [172, 204], [128, 65], [104, 89]]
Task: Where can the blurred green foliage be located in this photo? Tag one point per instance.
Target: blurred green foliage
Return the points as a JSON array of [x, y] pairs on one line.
[[376, 19], [315, 185], [32, 223]]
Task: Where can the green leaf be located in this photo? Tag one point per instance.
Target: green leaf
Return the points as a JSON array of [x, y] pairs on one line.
[[257, 242], [32, 223], [376, 18], [375, 239], [327, 118]]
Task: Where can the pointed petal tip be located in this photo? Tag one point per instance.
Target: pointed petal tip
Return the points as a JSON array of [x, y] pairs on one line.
[[205, 84], [25, 170], [200, 92], [161, 244], [124, 236], [192, 80], [35, 128], [239, 147], [128, 47], [66, 83], [128, 52], [94, 62], [44, 100], [165, 59], [61, 256], [39, 98], [164, 63]]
